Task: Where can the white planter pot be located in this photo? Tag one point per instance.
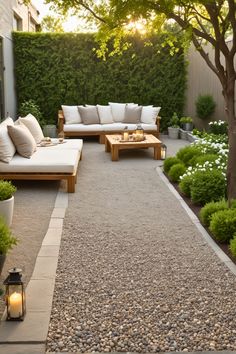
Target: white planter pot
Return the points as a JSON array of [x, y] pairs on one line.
[[183, 134], [173, 133], [6, 210]]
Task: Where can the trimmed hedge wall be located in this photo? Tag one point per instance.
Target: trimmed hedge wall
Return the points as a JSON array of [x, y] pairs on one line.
[[55, 69]]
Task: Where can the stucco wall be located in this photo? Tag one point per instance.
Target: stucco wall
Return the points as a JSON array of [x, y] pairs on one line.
[[7, 10]]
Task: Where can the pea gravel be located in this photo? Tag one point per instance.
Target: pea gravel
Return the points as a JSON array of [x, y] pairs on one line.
[[134, 274]]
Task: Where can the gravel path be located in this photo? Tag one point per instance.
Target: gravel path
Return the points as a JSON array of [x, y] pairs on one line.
[[134, 274]]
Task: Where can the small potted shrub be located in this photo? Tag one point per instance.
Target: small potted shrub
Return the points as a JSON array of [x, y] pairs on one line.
[[173, 129], [7, 189], [7, 241], [186, 123]]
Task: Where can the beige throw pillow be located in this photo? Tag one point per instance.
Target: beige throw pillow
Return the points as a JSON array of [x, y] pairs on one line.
[[132, 114], [32, 124], [7, 148], [89, 115], [22, 139]]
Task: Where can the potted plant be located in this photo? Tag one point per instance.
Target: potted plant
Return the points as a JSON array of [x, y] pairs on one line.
[[7, 241], [7, 189], [173, 129], [186, 123]]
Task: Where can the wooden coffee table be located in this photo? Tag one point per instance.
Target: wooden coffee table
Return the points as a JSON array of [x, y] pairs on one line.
[[114, 145]]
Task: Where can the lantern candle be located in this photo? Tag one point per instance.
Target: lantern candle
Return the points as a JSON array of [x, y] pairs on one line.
[[15, 302], [126, 136]]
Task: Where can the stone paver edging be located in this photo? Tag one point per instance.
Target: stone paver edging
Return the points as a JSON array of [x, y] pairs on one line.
[[223, 257], [39, 292]]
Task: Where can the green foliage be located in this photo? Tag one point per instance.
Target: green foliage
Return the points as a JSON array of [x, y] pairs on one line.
[[174, 122], [185, 185], [62, 68], [187, 153], [52, 24], [207, 186], [223, 224], [207, 157], [209, 209], [6, 190], [205, 106], [184, 120], [169, 162], [232, 245], [7, 240], [176, 171], [30, 106], [218, 127]]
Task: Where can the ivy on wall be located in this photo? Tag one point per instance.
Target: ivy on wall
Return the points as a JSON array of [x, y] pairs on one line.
[[54, 69]]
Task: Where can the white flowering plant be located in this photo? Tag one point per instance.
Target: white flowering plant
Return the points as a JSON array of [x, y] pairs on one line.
[[219, 127]]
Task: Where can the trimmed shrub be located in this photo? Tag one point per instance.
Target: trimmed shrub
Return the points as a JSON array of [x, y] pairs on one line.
[[223, 224], [203, 158], [205, 106], [187, 153], [219, 127], [208, 186], [169, 162], [176, 171], [7, 189], [232, 245], [209, 209], [7, 240], [185, 185]]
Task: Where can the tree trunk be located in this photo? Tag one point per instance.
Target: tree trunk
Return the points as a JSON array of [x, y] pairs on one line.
[[231, 167]]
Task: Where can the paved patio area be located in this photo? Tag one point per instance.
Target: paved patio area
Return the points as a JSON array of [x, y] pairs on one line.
[[134, 273]]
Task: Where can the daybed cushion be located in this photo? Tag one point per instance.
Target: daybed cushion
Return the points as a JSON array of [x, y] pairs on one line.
[[105, 114], [67, 144], [132, 114], [7, 148], [44, 160], [22, 139], [71, 114], [149, 114], [83, 128], [89, 115], [32, 124]]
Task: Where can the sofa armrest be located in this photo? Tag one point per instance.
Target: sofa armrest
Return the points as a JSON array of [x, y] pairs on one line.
[[61, 121], [158, 123]]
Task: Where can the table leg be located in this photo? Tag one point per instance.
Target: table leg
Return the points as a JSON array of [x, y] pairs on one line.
[[107, 145], [157, 152], [114, 153]]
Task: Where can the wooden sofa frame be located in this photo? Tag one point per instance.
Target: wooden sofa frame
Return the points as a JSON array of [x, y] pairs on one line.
[[61, 121], [70, 178]]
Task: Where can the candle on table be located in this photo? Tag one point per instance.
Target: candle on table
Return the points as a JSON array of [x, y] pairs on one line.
[[126, 136]]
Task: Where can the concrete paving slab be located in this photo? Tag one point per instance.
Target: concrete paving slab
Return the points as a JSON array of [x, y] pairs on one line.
[[49, 251], [61, 200], [56, 223], [52, 237], [39, 294], [22, 348], [58, 213], [33, 329], [45, 267]]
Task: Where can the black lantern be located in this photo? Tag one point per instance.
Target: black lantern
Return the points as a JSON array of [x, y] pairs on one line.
[[15, 295], [163, 151]]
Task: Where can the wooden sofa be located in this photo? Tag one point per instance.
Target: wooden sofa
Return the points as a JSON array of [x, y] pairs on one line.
[[59, 162], [80, 130]]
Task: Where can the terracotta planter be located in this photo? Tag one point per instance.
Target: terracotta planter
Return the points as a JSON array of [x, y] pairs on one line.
[[6, 210]]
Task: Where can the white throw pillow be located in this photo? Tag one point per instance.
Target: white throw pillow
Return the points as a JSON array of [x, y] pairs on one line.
[[33, 125], [105, 114], [149, 114], [7, 148], [71, 114], [118, 111]]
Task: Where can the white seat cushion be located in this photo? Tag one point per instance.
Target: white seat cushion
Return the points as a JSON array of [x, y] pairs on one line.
[[68, 144], [118, 127], [33, 125], [7, 148], [83, 128], [149, 114], [149, 127], [71, 114], [105, 114], [44, 160]]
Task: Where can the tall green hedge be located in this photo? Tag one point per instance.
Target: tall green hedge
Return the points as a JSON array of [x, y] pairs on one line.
[[55, 69]]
